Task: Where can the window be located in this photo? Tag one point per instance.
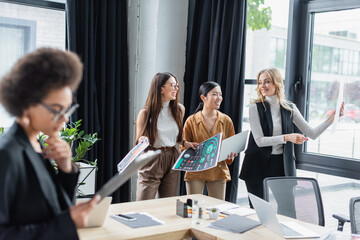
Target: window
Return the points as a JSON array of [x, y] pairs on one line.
[[278, 53], [325, 53], [25, 28], [266, 36], [325, 82]]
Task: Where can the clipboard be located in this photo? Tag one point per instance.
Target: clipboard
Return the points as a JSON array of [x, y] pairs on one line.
[[134, 153], [116, 181]]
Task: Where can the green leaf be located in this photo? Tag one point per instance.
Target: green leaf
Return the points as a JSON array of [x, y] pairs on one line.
[[81, 144], [258, 17]]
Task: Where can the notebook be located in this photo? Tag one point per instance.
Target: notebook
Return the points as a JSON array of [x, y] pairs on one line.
[[268, 218], [235, 223], [141, 220], [98, 214]]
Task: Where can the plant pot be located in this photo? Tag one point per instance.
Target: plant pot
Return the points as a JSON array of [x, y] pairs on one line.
[[213, 215], [87, 179]]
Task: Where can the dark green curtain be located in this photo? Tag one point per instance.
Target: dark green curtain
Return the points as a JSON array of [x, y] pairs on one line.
[[216, 52], [97, 32]]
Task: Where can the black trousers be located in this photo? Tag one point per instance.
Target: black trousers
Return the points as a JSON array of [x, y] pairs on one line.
[[273, 168]]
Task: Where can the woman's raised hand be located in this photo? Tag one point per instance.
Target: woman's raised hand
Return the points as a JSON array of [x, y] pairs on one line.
[[59, 150], [332, 115]]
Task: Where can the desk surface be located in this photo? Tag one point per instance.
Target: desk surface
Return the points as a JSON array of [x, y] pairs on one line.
[[175, 227]]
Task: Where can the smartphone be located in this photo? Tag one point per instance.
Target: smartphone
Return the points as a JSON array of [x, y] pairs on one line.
[[125, 217]]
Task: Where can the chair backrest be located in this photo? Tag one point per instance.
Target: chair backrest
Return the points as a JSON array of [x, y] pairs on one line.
[[355, 215], [295, 197]]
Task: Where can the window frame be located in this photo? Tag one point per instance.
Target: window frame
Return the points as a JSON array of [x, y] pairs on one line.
[[298, 64], [28, 26], [38, 3]]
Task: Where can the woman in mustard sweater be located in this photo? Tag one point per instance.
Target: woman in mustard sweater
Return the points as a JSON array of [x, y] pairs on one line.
[[206, 122]]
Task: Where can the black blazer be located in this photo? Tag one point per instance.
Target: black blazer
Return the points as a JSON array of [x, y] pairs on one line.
[[34, 200], [256, 158]]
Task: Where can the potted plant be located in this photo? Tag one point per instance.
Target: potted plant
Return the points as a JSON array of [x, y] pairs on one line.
[[80, 144], [214, 213]]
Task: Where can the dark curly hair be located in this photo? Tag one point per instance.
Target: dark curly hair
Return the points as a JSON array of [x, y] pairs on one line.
[[35, 75]]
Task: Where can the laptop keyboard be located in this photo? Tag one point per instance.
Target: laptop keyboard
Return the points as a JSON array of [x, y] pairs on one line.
[[288, 231]]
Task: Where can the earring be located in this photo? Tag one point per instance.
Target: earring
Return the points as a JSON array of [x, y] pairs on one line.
[[26, 121]]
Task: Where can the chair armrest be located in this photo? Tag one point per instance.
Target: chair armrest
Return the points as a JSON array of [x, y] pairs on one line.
[[341, 217]]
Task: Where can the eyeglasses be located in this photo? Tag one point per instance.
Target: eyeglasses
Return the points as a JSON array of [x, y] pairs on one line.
[[174, 86], [59, 114]]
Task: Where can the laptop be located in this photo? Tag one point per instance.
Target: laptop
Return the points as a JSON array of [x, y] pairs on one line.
[[235, 144], [98, 214], [268, 218]]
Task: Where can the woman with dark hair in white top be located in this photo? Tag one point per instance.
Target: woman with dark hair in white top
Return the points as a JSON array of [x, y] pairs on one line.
[[161, 120]]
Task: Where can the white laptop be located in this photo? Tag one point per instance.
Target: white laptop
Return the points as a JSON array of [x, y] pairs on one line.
[[268, 218], [98, 214], [235, 144]]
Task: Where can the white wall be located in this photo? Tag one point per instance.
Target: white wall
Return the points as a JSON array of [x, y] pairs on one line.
[[157, 31]]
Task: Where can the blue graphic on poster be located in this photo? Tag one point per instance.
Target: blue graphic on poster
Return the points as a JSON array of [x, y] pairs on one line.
[[205, 156]]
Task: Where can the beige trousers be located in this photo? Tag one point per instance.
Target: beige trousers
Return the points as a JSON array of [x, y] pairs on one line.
[[158, 177], [215, 189]]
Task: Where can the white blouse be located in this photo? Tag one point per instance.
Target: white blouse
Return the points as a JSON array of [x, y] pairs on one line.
[[277, 140], [167, 128]]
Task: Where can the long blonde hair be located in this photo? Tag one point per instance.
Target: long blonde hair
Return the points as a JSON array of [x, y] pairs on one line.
[[276, 78]]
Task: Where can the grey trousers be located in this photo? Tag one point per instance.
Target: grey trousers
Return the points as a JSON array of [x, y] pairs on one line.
[[158, 177]]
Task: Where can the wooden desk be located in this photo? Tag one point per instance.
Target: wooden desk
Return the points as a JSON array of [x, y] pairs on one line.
[[175, 227]]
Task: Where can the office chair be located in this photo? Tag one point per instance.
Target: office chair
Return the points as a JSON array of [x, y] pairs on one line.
[[295, 197], [354, 209], [355, 215]]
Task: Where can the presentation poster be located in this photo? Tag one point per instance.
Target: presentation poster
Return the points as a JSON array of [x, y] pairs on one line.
[[205, 156], [139, 148]]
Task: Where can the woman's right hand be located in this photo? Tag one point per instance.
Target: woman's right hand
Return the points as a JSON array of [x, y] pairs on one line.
[[295, 138], [141, 139], [190, 145], [80, 212], [60, 151]]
